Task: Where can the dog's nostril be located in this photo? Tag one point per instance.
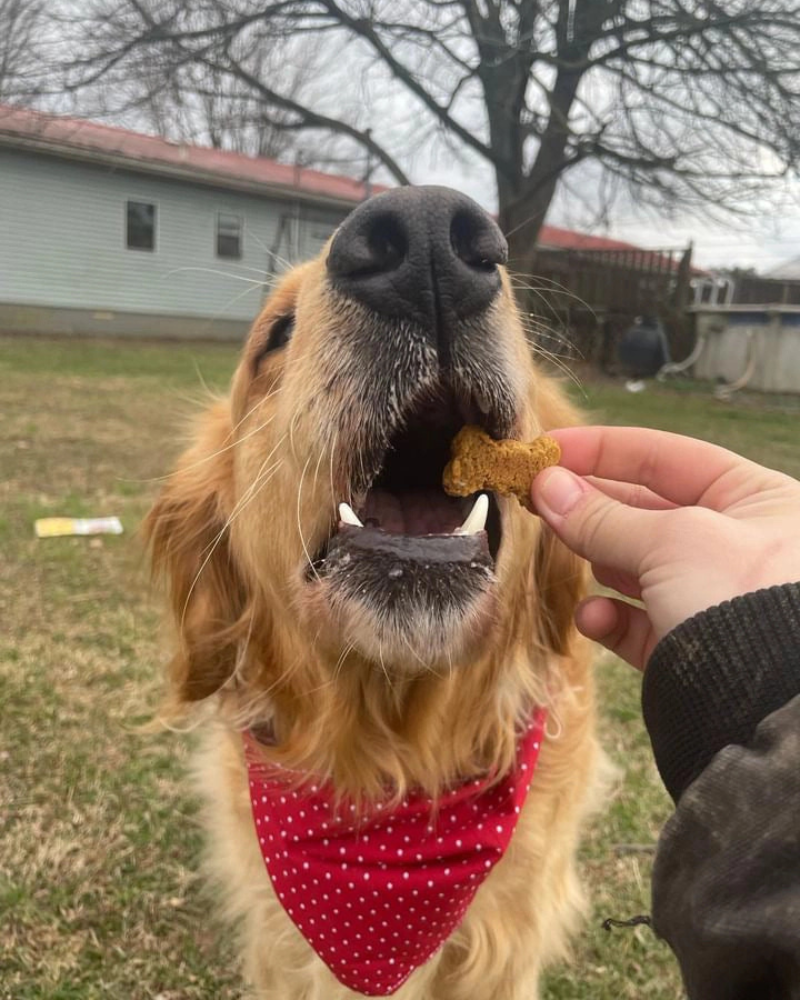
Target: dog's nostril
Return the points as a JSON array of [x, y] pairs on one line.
[[476, 241], [388, 241], [374, 244]]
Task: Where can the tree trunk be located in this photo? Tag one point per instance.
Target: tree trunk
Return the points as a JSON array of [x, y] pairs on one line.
[[522, 217]]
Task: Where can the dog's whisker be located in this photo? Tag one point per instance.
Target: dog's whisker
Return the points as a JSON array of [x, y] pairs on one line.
[[233, 442], [334, 500], [225, 274], [295, 417], [273, 254], [212, 456], [414, 653], [539, 351], [537, 328], [520, 281], [273, 392], [315, 480], [561, 366], [341, 661], [348, 649], [248, 494], [251, 287], [299, 520], [383, 665], [212, 547], [263, 480], [221, 534]]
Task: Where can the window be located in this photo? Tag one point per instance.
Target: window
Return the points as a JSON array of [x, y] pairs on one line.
[[229, 236], [141, 226]]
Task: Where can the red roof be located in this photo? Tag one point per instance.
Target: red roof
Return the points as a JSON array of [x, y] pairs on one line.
[[83, 139], [553, 237], [78, 136]]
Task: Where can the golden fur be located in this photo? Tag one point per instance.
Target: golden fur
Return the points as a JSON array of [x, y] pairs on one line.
[[261, 643]]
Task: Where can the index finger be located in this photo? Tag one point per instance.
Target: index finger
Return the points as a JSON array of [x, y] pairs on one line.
[[678, 468]]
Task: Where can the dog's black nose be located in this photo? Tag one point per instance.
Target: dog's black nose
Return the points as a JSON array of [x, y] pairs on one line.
[[424, 253]]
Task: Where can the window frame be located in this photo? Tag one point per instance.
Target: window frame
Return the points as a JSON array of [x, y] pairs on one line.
[[240, 220], [156, 215]]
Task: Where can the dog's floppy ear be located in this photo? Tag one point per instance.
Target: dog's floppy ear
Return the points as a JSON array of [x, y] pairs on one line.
[[187, 533], [561, 578]]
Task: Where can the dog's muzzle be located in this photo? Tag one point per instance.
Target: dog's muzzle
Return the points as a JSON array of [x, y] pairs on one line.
[[415, 274]]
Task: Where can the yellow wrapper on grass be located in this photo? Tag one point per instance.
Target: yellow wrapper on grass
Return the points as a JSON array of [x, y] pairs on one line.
[[478, 462]]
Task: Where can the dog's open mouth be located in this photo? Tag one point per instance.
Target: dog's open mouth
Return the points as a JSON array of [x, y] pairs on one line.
[[404, 526]]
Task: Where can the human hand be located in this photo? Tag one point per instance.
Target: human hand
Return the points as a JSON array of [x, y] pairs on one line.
[[679, 524]]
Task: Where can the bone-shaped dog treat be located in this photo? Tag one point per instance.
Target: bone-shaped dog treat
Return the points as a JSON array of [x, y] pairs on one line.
[[478, 462]]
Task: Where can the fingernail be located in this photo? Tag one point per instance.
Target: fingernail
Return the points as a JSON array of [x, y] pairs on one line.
[[558, 490]]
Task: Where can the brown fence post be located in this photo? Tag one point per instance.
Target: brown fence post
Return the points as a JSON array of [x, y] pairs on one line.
[[684, 277]]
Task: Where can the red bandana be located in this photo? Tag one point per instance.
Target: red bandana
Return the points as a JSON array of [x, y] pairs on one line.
[[376, 896]]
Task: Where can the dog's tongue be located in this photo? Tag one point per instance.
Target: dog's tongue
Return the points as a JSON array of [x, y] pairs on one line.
[[413, 512]]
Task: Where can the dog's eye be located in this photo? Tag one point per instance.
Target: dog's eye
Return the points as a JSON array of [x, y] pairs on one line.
[[279, 335]]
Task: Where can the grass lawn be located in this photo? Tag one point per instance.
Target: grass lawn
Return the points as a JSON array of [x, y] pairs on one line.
[[98, 842]]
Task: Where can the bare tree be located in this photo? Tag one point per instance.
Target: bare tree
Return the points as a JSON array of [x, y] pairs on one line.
[[201, 103], [182, 99], [683, 102], [20, 67]]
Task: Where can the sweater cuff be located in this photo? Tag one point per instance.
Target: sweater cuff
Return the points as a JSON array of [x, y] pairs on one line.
[[711, 681]]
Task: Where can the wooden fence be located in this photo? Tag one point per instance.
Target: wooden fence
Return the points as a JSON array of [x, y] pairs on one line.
[[580, 302], [752, 290]]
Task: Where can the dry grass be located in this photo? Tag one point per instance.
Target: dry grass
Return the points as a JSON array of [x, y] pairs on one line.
[[98, 841]]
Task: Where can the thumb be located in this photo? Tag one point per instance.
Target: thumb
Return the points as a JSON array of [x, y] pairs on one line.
[[597, 527]]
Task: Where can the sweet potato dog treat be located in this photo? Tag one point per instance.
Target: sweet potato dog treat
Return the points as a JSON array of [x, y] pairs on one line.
[[477, 462]]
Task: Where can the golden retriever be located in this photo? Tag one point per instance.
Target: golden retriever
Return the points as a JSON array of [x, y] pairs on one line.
[[378, 657]]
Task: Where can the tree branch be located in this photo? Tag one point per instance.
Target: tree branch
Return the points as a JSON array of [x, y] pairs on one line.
[[316, 120], [364, 29]]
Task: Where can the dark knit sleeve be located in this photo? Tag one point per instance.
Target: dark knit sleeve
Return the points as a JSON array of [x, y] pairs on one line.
[[726, 880], [711, 681]]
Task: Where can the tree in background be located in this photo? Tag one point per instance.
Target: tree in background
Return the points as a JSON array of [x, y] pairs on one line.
[[678, 103], [20, 59]]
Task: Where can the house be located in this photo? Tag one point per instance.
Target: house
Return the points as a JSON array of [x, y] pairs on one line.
[[107, 231]]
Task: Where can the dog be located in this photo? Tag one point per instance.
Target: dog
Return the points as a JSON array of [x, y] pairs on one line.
[[397, 714]]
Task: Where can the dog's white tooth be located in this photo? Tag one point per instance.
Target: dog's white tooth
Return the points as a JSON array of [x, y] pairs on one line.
[[476, 519], [348, 515]]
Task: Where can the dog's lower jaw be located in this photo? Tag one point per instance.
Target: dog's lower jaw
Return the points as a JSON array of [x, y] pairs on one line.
[[409, 603], [443, 635]]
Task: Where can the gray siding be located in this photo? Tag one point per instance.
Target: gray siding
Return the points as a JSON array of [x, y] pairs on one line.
[[62, 241]]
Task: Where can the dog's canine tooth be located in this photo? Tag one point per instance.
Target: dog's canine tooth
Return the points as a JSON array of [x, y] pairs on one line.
[[348, 516], [476, 519]]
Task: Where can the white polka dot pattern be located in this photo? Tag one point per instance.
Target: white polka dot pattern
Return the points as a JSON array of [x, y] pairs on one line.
[[377, 895]]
